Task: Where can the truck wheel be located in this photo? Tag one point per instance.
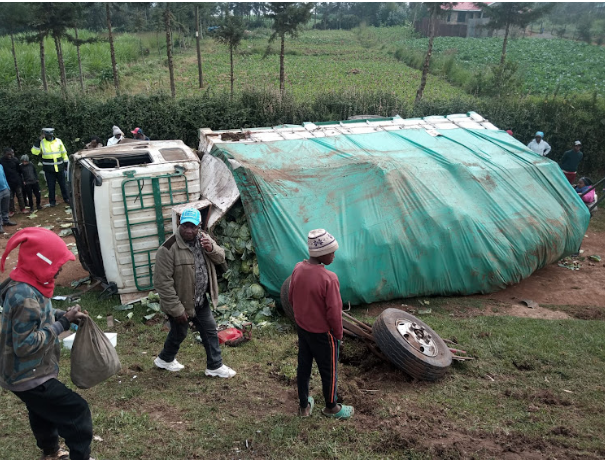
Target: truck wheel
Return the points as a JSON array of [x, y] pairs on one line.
[[285, 304], [411, 345]]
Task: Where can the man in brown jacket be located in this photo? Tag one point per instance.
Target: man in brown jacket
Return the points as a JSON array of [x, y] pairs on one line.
[[184, 270]]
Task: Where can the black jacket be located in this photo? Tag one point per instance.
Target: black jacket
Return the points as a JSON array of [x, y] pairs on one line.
[[28, 171], [12, 171]]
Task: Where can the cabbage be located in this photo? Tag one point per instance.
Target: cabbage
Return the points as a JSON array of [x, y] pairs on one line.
[[252, 306], [241, 297], [244, 232], [240, 294], [240, 245], [232, 229], [256, 291], [245, 267]]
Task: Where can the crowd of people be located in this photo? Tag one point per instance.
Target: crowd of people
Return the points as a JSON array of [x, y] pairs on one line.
[[569, 165], [19, 177]]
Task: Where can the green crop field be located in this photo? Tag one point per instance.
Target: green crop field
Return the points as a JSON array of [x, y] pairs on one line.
[[544, 64], [316, 62]]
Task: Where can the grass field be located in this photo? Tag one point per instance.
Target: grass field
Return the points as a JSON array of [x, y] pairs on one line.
[[544, 64], [316, 61], [535, 390]]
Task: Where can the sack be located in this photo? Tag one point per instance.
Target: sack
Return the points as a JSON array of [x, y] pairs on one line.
[[93, 357]]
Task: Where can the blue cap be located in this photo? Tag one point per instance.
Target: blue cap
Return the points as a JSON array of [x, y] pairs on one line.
[[191, 215], [540, 134]]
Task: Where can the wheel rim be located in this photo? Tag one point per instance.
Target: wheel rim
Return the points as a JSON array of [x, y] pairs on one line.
[[417, 337]]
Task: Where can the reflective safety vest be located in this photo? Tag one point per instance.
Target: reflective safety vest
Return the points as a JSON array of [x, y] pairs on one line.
[[53, 154]]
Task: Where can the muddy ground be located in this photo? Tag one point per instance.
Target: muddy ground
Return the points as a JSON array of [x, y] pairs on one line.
[[580, 291]]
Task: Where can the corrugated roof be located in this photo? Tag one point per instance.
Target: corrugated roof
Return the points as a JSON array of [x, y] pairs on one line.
[[465, 6]]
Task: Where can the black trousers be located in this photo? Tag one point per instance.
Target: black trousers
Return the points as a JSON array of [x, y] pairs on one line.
[[18, 192], [51, 177], [30, 191], [55, 410], [322, 347], [206, 325]]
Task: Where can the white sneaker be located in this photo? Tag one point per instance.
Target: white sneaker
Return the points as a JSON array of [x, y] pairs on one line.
[[178, 364], [224, 371], [172, 366]]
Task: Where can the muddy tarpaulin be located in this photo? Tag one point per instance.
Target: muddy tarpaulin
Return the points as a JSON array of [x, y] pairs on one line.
[[415, 212]]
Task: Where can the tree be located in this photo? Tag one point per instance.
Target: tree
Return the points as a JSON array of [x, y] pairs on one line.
[[14, 17], [435, 10], [114, 66], [56, 18], [52, 19], [288, 18], [503, 15], [199, 51], [230, 33], [167, 20], [75, 40]]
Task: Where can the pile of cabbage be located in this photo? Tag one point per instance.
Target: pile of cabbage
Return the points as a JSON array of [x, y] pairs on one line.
[[242, 298]]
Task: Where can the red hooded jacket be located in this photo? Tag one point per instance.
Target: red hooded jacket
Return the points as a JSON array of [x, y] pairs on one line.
[[41, 255]]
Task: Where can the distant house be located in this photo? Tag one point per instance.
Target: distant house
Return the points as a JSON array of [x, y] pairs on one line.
[[459, 20]]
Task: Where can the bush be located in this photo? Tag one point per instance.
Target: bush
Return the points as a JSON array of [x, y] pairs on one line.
[[22, 115]]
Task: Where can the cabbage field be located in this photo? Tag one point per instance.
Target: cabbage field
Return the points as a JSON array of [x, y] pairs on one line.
[[544, 64]]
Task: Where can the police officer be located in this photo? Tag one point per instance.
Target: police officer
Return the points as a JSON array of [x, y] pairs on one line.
[[54, 163]]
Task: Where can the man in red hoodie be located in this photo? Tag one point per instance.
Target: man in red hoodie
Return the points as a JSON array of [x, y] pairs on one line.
[[315, 298], [29, 344]]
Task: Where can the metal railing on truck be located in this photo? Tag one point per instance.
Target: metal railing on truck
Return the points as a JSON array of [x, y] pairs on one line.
[[163, 192]]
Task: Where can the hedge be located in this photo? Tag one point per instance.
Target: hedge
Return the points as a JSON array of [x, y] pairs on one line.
[[76, 119]]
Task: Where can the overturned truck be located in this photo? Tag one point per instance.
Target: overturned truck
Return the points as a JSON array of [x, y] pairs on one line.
[[441, 205]]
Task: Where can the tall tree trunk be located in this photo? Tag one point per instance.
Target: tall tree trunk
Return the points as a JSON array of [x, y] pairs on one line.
[[114, 66], [79, 59], [232, 73], [281, 64], [43, 65], [199, 51], [169, 50], [503, 57], [427, 59], [61, 65], [16, 65]]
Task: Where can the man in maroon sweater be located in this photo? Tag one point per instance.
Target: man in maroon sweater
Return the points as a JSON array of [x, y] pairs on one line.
[[315, 298]]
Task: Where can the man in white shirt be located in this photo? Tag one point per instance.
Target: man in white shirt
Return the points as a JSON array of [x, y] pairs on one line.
[[538, 145], [118, 135]]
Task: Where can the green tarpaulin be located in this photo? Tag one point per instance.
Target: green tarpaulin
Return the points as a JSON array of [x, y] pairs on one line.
[[414, 213]]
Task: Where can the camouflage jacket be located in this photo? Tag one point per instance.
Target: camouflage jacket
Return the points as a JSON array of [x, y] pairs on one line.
[[29, 331]]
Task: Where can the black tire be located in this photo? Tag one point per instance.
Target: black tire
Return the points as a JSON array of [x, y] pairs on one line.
[[418, 365], [285, 304]]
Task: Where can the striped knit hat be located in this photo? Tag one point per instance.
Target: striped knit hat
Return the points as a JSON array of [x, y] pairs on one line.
[[321, 243]]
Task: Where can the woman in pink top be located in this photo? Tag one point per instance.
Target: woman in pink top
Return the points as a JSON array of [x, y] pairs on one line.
[[587, 192]]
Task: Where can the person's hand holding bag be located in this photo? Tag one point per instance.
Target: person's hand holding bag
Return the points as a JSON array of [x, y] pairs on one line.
[[74, 314]]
